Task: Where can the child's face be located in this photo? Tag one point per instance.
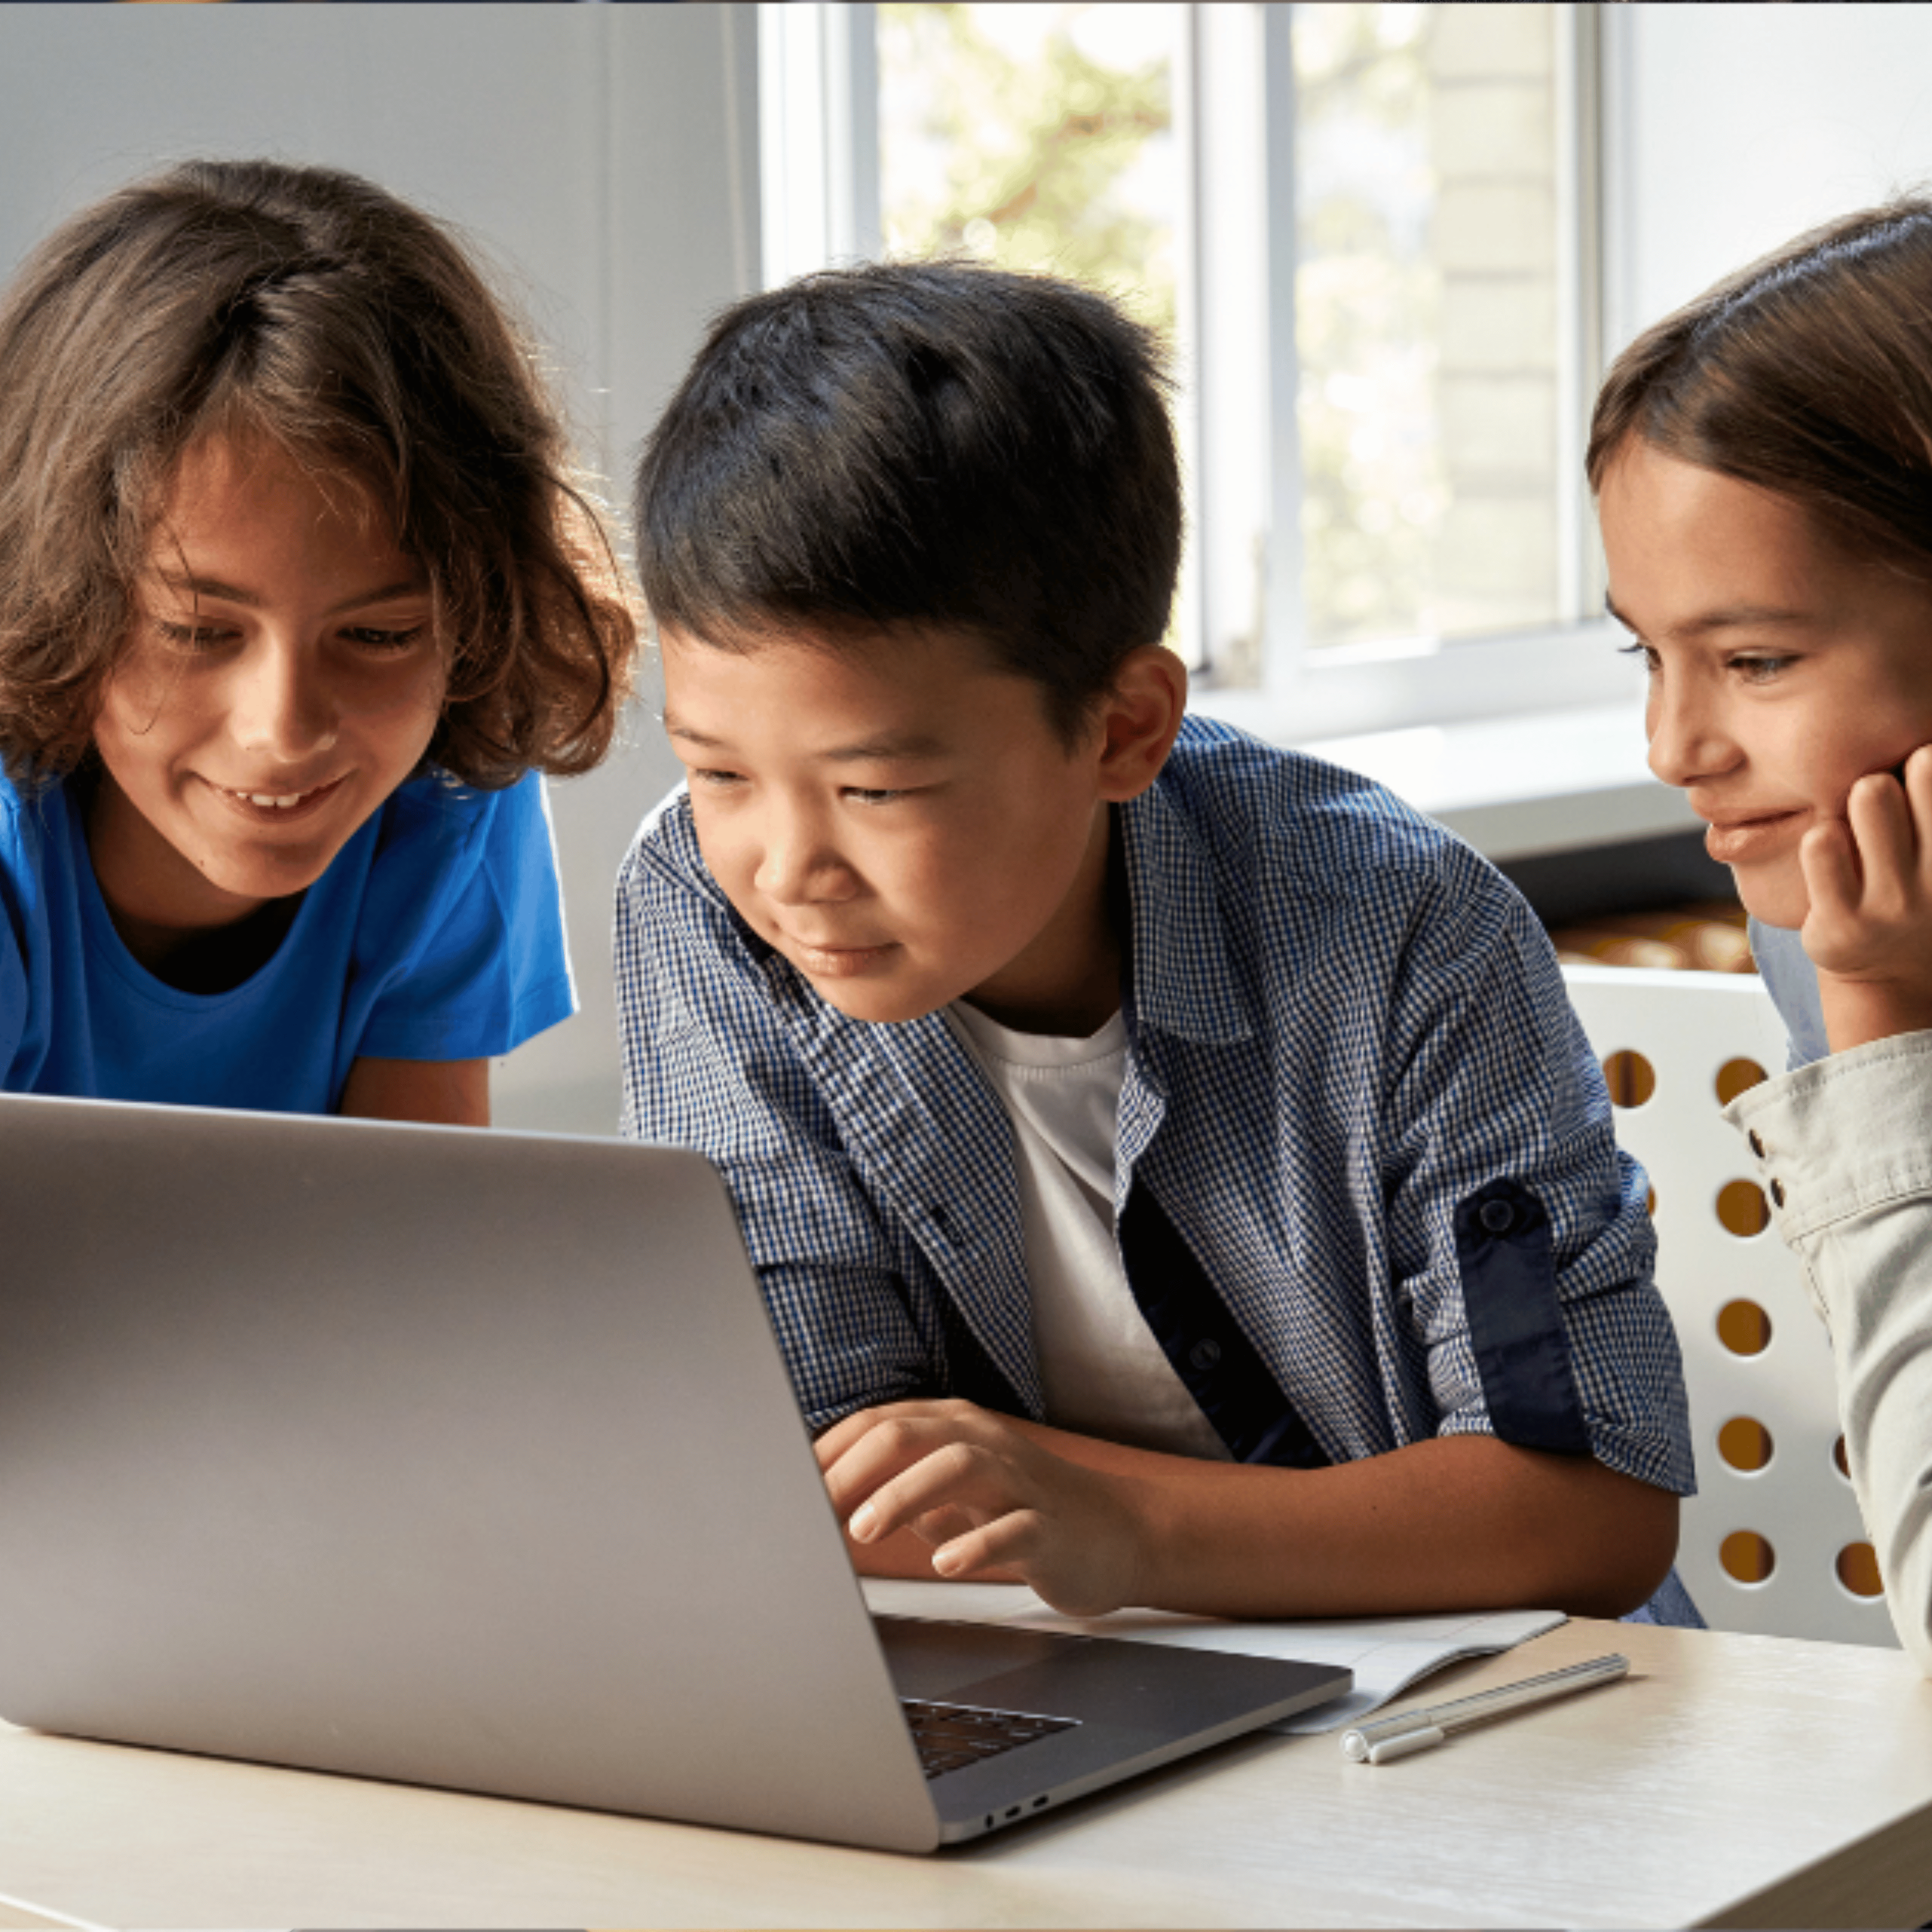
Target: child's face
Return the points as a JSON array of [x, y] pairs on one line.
[[901, 823], [283, 678], [1783, 667]]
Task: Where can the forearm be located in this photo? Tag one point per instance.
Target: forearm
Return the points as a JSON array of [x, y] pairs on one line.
[[1849, 1141], [1459, 1522], [1455, 1522], [453, 1092]]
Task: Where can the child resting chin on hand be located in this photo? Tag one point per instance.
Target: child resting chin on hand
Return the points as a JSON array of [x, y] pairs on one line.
[[1763, 464]]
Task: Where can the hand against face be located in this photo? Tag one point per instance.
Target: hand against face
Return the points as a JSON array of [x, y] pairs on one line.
[[1868, 876], [997, 1505]]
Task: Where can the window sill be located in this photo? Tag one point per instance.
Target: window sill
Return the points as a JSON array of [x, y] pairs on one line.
[[1516, 788]]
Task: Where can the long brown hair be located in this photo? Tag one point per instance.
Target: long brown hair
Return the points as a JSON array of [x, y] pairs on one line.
[[1808, 374], [308, 306]]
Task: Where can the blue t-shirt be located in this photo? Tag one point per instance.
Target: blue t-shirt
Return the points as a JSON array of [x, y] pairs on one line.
[[1792, 981], [436, 933]]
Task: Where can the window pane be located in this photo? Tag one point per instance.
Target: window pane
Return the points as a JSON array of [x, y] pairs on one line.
[[1427, 318], [1037, 137]]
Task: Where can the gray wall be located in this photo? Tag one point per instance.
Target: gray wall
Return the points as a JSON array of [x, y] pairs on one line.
[[1741, 125], [602, 159]]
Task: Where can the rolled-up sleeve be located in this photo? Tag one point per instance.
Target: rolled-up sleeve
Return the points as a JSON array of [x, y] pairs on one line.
[[1844, 1148], [1519, 1230]]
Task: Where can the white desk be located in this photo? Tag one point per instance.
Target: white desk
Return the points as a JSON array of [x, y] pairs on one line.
[[1733, 1780]]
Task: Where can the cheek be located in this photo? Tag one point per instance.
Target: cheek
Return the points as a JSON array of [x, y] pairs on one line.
[[1828, 763], [398, 697], [724, 844], [145, 715], [142, 693]]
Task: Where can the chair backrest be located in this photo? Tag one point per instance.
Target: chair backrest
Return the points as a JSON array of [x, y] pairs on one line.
[[1772, 1542]]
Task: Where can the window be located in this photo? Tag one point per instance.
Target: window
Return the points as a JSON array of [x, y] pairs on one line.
[[1370, 229]]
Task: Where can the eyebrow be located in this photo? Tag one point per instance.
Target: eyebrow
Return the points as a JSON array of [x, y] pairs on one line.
[[231, 593], [1729, 617], [887, 746]]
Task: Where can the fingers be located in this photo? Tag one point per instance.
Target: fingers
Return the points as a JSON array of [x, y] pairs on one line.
[[1917, 769], [1010, 1545], [850, 1429], [1828, 856], [942, 1526], [841, 1436], [1880, 818], [951, 1476], [1868, 876], [992, 1504], [861, 1455]]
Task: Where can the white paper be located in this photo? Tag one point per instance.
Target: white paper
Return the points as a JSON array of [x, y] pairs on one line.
[[1386, 1654]]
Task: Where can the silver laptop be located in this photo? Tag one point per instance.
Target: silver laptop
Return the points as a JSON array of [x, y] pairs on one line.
[[468, 1458]]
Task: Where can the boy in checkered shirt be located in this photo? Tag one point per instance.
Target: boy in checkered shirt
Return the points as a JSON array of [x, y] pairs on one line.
[[1174, 1170]]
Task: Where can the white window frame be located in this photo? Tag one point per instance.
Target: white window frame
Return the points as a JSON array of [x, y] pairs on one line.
[[818, 75]]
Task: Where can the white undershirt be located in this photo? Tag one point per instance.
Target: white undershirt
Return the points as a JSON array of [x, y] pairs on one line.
[[1103, 1372]]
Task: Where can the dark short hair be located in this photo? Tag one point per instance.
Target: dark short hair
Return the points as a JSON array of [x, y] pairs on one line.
[[308, 307], [921, 446], [1808, 374]]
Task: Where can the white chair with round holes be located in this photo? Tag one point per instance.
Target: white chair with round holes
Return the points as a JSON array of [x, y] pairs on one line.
[[1772, 1542]]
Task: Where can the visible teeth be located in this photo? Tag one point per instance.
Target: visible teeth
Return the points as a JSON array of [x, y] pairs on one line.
[[263, 798]]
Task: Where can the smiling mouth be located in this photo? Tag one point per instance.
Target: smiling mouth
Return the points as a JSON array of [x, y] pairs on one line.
[[278, 805], [831, 961], [1737, 840]]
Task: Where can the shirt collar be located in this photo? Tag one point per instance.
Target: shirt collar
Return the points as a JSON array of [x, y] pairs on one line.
[[1180, 980]]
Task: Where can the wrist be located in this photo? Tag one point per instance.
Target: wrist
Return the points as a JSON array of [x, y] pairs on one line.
[[1149, 1524], [1857, 1012]]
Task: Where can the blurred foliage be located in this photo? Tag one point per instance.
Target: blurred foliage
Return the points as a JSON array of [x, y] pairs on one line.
[[1023, 160], [1041, 136], [1367, 297]]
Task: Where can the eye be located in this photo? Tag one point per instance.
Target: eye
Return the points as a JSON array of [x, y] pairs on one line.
[[370, 637], [1637, 648], [713, 779], [1760, 669], [194, 637], [860, 795]]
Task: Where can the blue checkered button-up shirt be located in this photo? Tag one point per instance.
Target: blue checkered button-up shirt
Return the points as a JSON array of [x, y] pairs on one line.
[[1343, 1026]]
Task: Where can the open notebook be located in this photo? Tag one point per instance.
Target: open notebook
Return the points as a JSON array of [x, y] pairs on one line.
[[1386, 1654]]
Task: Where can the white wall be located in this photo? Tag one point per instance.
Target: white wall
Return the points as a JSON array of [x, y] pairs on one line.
[[604, 160], [1733, 128]]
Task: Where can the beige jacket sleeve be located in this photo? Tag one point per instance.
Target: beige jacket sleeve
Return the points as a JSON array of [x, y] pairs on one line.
[[1843, 1149]]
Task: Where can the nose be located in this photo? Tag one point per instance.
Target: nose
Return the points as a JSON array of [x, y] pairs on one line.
[[1688, 742], [282, 706], [798, 864]]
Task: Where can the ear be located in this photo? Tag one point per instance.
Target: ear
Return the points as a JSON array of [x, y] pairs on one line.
[[1139, 716]]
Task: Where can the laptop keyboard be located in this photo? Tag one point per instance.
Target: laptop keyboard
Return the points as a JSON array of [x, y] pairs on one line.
[[950, 1736]]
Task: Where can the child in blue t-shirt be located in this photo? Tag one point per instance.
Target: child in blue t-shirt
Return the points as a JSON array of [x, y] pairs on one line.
[[1174, 1172], [297, 602], [1763, 463]]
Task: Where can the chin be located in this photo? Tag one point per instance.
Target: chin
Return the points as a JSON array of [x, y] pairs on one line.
[[274, 880], [1771, 895], [879, 1006], [879, 1012]]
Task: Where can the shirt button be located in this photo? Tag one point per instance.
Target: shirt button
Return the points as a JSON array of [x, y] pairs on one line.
[[1498, 1216], [1204, 1354], [1756, 1145], [1778, 1190]]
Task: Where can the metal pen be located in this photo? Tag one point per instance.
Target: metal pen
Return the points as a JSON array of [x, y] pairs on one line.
[[1417, 1730]]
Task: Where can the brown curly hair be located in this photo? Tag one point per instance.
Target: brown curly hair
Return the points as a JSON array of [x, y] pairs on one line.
[[309, 306]]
